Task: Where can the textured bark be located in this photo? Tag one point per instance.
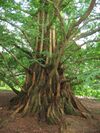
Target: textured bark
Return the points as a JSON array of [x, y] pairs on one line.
[[46, 91], [47, 94]]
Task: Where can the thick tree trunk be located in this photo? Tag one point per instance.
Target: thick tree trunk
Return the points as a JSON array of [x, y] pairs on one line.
[[46, 91], [47, 94]]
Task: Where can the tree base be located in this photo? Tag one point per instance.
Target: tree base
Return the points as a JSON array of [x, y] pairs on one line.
[[47, 95]]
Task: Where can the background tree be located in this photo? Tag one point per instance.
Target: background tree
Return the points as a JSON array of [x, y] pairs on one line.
[[39, 42]]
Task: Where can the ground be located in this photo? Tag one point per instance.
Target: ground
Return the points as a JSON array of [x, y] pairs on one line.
[[29, 124]]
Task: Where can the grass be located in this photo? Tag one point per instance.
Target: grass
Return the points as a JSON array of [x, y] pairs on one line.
[[88, 92]]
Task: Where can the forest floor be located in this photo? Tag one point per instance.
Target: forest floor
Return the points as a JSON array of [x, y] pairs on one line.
[[29, 124]]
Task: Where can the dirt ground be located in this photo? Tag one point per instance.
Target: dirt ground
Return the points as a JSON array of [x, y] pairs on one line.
[[29, 124]]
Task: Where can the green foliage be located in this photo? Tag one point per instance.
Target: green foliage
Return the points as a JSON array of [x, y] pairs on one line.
[[18, 32], [87, 91]]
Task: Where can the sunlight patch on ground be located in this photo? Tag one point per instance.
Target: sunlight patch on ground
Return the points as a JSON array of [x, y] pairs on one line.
[[86, 97]]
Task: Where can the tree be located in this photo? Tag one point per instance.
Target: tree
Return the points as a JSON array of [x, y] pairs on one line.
[[41, 45]]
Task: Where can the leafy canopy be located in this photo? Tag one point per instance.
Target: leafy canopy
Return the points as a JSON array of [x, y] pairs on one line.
[[19, 29]]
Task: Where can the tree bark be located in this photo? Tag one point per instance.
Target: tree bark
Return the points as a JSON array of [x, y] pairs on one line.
[[44, 93]]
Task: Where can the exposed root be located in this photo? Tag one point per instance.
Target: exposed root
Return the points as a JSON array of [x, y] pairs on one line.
[[47, 96]]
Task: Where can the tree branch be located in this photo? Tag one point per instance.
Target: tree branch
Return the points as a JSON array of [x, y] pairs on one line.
[[86, 59], [59, 16], [22, 31], [89, 20], [14, 57], [89, 41], [87, 13], [88, 33], [10, 85], [11, 72], [82, 18], [78, 48], [23, 50]]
